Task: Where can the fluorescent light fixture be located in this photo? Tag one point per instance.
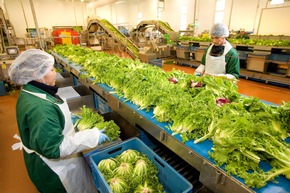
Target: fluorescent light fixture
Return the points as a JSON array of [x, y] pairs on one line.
[[275, 2], [139, 15]]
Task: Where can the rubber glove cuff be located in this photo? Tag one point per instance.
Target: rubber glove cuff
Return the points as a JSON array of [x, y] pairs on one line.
[[197, 74], [102, 138]]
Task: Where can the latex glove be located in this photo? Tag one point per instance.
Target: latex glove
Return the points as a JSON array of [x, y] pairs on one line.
[[199, 71], [228, 76], [74, 118], [197, 74], [102, 138]]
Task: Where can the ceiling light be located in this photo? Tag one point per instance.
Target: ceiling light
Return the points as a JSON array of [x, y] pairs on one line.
[[275, 2]]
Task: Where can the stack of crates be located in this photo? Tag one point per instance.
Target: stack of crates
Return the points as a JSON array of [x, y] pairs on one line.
[[66, 36], [182, 52]]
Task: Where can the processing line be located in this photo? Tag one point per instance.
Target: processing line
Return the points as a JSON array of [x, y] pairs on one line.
[[114, 35], [196, 155]]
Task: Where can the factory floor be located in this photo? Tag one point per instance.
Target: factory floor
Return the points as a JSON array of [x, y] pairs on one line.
[[13, 174]]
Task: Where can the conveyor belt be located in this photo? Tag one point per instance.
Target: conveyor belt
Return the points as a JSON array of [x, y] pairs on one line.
[[131, 48], [182, 167], [161, 26], [195, 155]]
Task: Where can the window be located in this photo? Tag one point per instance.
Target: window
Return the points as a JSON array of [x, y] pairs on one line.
[[219, 11], [183, 18]]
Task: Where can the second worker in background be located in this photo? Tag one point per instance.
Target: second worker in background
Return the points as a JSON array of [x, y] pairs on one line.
[[220, 59]]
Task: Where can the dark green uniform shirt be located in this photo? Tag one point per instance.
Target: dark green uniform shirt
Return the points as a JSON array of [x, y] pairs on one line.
[[40, 124]]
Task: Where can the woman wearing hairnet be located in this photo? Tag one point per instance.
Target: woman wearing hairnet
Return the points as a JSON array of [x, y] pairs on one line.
[[220, 59], [51, 146]]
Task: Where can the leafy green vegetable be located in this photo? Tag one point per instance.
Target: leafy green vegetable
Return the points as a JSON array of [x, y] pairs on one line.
[[147, 188], [245, 131], [89, 119], [242, 141], [107, 166], [118, 185], [258, 42], [131, 171], [129, 156], [124, 170]]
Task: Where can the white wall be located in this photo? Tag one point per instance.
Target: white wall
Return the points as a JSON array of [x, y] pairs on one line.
[[238, 13], [244, 16], [48, 13], [127, 13]]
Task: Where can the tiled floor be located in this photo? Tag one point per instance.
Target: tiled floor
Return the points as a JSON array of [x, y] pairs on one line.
[[13, 175]]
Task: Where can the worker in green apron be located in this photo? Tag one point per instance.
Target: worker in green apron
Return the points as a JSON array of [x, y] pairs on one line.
[[220, 59], [51, 146]]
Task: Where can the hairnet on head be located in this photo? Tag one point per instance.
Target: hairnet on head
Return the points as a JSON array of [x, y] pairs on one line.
[[219, 30], [30, 65]]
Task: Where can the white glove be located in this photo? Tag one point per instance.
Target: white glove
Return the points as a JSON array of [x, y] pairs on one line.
[[199, 71], [80, 141], [228, 76]]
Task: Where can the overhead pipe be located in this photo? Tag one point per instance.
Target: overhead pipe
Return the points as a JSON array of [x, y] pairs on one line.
[[194, 16], [36, 24], [231, 11], [24, 14]]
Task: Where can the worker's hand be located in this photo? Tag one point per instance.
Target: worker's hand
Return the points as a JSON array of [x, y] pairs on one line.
[[102, 138], [228, 76], [197, 74]]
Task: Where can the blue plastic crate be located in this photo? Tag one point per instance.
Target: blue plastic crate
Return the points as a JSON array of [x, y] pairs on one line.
[[76, 81], [145, 138], [100, 104], [2, 89], [171, 180], [89, 152], [280, 57], [157, 62]]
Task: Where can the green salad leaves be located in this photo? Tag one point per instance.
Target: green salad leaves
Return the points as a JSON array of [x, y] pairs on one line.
[[89, 119], [131, 171], [246, 132]]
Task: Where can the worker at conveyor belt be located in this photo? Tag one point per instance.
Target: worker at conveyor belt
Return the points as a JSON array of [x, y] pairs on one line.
[[220, 59], [51, 146], [242, 34]]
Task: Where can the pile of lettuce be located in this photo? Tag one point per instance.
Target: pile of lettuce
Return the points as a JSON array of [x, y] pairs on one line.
[[88, 119], [131, 171], [251, 41], [245, 131]]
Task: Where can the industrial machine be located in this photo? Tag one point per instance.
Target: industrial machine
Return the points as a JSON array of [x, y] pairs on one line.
[[153, 37], [8, 50], [147, 41], [103, 33]]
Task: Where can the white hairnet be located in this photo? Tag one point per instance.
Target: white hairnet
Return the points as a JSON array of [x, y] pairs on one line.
[[219, 30], [30, 65]]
